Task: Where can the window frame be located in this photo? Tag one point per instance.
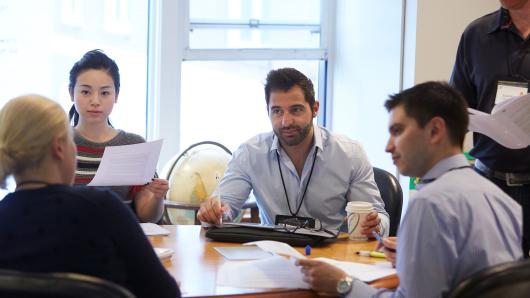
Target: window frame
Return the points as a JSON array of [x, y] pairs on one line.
[[169, 27]]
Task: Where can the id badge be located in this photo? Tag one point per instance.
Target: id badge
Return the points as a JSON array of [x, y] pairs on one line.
[[509, 89]]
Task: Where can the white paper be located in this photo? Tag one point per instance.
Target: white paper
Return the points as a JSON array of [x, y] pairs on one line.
[[273, 272], [364, 272], [277, 248], [234, 253], [128, 164], [151, 229], [163, 253], [508, 125]]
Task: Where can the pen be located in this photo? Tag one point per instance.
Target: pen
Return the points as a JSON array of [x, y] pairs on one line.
[[218, 179], [308, 250], [380, 239], [373, 254]]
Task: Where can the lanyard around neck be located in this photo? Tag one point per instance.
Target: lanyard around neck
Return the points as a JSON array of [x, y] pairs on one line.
[[307, 184]]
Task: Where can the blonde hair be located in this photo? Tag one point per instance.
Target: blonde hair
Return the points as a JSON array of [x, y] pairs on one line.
[[29, 123]]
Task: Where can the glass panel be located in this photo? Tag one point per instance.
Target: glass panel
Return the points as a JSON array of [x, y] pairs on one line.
[[253, 38], [224, 101], [254, 24], [37, 59], [276, 11]]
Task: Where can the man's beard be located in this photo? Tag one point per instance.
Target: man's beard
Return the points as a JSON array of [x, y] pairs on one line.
[[293, 141]]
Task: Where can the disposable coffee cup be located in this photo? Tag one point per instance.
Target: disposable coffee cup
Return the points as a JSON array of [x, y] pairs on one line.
[[356, 213]]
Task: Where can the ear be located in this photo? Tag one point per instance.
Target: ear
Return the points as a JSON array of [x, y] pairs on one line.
[[116, 99], [316, 106], [58, 147], [437, 129]]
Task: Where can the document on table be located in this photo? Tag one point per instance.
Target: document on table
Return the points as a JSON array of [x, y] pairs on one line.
[[280, 272], [163, 253], [243, 253], [273, 272], [128, 164], [364, 272], [508, 124], [151, 229]]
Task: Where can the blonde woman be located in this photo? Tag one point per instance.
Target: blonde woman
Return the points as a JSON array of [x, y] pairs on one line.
[[47, 225]]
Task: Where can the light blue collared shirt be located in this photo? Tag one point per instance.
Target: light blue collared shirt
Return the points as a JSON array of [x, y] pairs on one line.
[[342, 173], [456, 225]]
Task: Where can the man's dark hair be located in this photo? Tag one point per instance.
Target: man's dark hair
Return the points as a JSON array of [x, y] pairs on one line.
[[284, 79], [434, 99]]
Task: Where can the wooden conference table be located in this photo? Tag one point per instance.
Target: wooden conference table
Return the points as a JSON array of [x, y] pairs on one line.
[[194, 263]]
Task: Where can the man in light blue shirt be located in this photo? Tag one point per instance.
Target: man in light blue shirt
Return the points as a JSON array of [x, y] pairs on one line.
[[298, 169], [456, 224]]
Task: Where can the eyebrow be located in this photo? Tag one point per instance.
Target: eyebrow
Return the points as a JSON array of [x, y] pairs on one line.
[[89, 86]]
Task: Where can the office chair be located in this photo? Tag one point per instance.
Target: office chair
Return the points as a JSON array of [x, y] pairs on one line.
[[57, 285], [510, 279], [392, 195], [193, 176]]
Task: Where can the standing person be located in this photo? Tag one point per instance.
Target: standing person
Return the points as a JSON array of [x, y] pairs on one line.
[[298, 169], [94, 88], [46, 225], [493, 64], [456, 224]]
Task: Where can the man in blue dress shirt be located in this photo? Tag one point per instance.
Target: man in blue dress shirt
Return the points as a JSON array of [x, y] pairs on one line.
[[457, 223], [298, 169]]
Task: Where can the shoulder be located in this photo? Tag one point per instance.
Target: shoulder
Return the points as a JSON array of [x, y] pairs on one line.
[[126, 138], [341, 144], [260, 143], [483, 24]]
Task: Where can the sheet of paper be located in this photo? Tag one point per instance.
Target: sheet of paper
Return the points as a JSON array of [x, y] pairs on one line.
[[508, 125], [128, 164], [151, 229], [364, 272], [163, 253], [243, 253], [277, 248], [273, 272]]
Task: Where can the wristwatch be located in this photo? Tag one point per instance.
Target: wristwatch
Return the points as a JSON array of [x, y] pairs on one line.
[[344, 285]]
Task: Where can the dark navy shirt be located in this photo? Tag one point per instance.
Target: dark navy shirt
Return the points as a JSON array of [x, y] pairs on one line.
[[65, 229], [491, 50]]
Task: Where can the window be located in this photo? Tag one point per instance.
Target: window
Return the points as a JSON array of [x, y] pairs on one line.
[[223, 52], [40, 42]]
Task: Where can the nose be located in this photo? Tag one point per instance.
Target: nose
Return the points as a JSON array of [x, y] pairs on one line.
[[287, 120], [390, 145], [95, 100]]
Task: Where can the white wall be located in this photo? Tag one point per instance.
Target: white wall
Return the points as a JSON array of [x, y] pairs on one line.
[[367, 60], [436, 33]]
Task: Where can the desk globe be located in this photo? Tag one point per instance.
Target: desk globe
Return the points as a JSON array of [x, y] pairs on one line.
[[192, 177]]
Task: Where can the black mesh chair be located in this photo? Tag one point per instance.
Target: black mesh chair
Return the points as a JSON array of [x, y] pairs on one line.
[[57, 285], [504, 280], [392, 195]]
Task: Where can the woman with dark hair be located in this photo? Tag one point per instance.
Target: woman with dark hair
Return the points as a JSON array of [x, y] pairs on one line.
[[94, 88]]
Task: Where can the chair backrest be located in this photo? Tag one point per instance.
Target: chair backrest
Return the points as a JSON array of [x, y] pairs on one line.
[[392, 195], [57, 285], [510, 279]]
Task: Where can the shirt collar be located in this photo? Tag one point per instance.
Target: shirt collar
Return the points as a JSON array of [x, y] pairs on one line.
[[503, 21], [444, 165], [317, 132]]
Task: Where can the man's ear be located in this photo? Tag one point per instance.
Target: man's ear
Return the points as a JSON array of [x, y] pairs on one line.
[[316, 106], [437, 129]]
